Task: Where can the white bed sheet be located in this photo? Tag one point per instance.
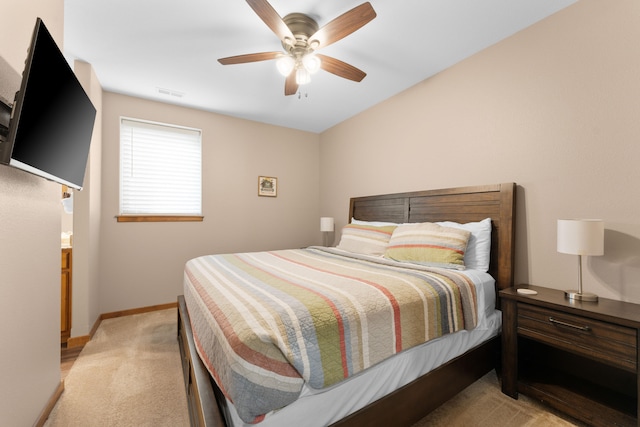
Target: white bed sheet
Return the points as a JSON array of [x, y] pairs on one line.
[[326, 406]]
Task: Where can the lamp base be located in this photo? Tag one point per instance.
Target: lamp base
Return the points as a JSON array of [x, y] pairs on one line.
[[580, 296]]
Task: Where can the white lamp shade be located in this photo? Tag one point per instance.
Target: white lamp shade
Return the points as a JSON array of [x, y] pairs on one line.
[[581, 236], [326, 223]]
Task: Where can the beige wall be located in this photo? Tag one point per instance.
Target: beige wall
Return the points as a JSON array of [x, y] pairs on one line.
[[87, 217], [29, 248], [142, 263], [555, 108]]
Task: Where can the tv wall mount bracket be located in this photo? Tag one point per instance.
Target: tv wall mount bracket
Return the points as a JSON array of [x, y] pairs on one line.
[[5, 118]]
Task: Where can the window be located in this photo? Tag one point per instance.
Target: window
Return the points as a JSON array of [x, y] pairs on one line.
[[160, 172]]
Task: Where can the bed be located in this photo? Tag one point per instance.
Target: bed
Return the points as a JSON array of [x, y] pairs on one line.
[[411, 383]]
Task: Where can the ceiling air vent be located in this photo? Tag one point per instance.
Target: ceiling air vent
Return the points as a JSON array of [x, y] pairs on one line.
[[169, 92]]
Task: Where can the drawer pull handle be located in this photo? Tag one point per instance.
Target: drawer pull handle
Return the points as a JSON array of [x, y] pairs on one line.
[[569, 325]]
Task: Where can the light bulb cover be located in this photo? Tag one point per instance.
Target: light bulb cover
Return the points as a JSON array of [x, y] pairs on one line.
[[302, 76], [285, 65], [311, 62]]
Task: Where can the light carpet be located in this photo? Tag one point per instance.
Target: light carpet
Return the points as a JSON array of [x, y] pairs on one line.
[[130, 374], [482, 404]]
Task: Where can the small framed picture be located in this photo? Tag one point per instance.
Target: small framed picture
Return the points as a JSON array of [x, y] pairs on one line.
[[267, 186]]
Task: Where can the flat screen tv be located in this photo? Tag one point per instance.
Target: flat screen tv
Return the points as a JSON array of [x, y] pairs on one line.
[[52, 118]]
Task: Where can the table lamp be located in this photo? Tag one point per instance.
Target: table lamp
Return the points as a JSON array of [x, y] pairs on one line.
[[581, 237], [326, 226]]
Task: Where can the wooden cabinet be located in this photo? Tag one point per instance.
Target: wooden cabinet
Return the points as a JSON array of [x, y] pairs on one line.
[[579, 357], [65, 294]]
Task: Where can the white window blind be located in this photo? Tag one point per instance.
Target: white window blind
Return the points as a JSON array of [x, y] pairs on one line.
[[160, 169]]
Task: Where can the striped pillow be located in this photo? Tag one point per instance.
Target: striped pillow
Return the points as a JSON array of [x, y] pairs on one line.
[[365, 239], [428, 244]]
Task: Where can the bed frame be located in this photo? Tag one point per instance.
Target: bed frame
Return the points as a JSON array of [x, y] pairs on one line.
[[407, 405]]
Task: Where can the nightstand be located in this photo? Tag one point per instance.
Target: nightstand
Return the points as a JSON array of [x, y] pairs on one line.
[[578, 357]]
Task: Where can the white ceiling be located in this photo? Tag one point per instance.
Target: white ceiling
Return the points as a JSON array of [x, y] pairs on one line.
[[138, 47]]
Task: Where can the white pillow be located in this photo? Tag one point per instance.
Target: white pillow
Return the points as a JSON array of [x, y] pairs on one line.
[[478, 253]]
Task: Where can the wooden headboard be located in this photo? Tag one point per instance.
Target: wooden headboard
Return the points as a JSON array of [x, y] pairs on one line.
[[463, 204]]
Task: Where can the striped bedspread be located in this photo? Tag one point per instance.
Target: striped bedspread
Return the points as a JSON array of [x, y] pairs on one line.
[[266, 322]]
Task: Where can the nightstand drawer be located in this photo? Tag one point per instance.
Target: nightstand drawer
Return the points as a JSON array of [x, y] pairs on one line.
[[613, 344]]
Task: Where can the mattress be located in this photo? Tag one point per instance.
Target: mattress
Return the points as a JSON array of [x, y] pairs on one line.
[[451, 310], [376, 382]]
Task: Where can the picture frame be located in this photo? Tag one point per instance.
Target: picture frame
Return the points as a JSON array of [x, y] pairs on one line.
[[267, 186]]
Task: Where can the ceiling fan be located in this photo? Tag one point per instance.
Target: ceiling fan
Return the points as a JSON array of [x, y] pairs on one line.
[[301, 37]]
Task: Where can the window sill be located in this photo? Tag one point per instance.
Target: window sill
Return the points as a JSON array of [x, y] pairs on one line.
[[159, 218]]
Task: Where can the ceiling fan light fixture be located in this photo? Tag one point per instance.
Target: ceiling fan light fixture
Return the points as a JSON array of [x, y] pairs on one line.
[[302, 76], [300, 36], [311, 62], [285, 65]]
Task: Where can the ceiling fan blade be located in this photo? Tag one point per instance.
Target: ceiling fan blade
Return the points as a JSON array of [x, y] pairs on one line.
[[343, 25], [290, 85], [268, 14], [341, 69], [250, 57]]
